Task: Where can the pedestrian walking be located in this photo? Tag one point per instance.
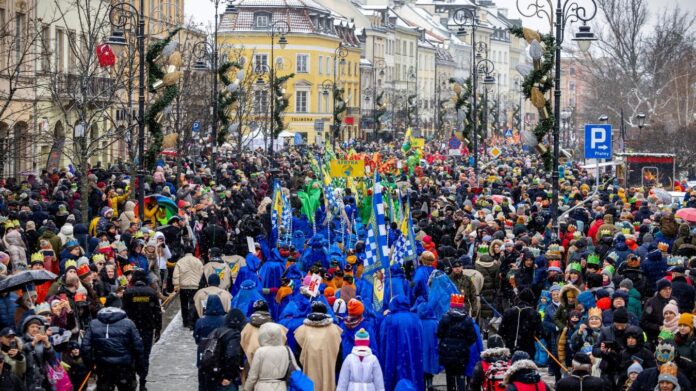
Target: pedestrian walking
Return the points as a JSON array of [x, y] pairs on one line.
[[186, 279]]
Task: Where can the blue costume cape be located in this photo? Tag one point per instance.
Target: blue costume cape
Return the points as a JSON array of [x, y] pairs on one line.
[[248, 272], [315, 253], [271, 273], [401, 329], [441, 289], [245, 298], [395, 284], [348, 336], [420, 281], [474, 352], [293, 317], [431, 356]]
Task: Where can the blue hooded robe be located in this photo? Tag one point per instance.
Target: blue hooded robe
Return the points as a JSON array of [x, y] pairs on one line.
[[248, 272], [350, 328], [431, 364], [271, 273], [213, 317], [441, 289], [401, 329], [474, 352], [420, 281], [245, 298], [293, 317], [395, 284]]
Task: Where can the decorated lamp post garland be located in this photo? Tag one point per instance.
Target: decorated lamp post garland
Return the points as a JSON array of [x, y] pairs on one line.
[[537, 82], [282, 100], [228, 96], [159, 78], [339, 112]]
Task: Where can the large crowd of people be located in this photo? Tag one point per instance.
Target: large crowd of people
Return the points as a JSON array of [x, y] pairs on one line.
[[289, 278]]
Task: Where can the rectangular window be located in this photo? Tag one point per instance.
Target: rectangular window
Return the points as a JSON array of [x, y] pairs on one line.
[[260, 101], [321, 64], [46, 48], [60, 50], [301, 101], [73, 52], [411, 47], [302, 63], [20, 30], [328, 65], [261, 21], [398, 46], [261, 59]]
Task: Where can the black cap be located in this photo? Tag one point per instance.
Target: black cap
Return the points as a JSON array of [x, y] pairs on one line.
[[677, 269], [214, 253], [260, 305], [318, 306], [7, 332]]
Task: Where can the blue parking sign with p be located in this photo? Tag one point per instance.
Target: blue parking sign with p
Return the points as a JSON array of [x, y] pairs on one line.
[[598, 141]]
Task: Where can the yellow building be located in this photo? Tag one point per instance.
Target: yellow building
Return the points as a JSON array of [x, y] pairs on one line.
[[312, 53]]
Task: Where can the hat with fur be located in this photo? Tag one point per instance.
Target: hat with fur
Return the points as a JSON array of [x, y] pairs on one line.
[[517, 366]]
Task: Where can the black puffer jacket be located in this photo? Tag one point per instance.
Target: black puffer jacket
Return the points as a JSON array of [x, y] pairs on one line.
[[112, 339], [581, 380], [142, 305], [456, 334], [639, 351]]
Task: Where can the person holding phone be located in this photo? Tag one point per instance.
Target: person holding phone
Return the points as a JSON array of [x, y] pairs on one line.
[[37, 351]]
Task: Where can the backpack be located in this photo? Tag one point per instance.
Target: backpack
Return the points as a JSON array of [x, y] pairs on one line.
[[494, 374], [211, 350]]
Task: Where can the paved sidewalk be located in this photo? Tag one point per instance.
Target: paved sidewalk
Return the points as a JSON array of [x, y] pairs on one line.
[[173, 360]]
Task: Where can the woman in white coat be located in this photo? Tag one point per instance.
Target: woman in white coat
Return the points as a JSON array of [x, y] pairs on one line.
[[361, 370], [271, 361]]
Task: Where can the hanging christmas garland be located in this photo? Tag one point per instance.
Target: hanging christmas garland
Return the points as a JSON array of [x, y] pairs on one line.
[[495, 115], [537, 83], [157, 79], [380, 109], [227, 97], [462, 94], [515, 117], [282, 101]]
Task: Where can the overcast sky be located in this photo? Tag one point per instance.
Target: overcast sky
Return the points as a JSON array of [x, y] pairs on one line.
[[202, 11]]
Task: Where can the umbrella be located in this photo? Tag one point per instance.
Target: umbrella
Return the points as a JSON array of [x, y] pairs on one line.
[[662, 195], [687, 214], [167, 204], [24, 278]]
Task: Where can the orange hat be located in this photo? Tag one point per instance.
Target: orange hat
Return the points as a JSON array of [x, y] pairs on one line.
[[355, 307], [329, 291], [83, 271]]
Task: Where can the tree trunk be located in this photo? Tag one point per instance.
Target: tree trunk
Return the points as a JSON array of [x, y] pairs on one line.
[[84, 191]]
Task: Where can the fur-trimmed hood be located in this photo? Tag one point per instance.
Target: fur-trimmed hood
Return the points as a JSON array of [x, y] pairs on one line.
[[518, 366], [564, 291], [495, 353]]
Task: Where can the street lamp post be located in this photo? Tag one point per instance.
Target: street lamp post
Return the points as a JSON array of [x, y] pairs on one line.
[[120, 15], [565, 10], [378, 65], [340, 55], [280, 28]]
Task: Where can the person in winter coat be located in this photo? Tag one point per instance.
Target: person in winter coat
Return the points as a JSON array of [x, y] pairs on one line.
[[634, 350], [401, 328], [521, 323], [225, 376], [465, 285], [127, 216], [271, 361], [213, 288], [216, 265], [360, 370], [112, 343], [421, 275], [685, 339], [16, 248], [37, 351], [648, 380], [633, 303], [684, 239], [250, 333], [568, 298], [652, 319], [351, 324], [8, 380], [682, 291], [581, 377], [495, 351], [187, 276], [320, 341], [214, 317], [489, 268], [141, 304], [654, 268], [455, 333], [11, 347], [523, 375], [631, 270]]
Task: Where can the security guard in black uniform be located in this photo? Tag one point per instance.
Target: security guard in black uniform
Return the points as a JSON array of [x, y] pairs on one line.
[[142, 305]]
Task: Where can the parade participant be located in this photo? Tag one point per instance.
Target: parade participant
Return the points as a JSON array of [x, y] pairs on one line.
[[319, 341], [212, 288], [401, 328], [186, 279], [455, 333], [360, 369]]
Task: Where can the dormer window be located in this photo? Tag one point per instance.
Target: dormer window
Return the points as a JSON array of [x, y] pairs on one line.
[[262, 20]]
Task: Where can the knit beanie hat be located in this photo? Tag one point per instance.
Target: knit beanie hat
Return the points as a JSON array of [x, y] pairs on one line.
[[671, 307], [665, 335], [362, 338], [686, 319], [626, 284], [355, 307], [519, 355], [621, 315], [634, 368], [662, 284], [668, 372]]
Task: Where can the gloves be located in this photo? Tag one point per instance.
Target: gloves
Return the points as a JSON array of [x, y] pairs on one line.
[[274, 290]]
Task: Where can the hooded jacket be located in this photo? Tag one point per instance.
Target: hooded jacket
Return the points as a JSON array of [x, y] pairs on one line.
[[401, 328], [113, 339], [187, 272], [455, 333], [271, 361], [560, 317], [213, 318], [639, 351], [523, 374], [320, 341]]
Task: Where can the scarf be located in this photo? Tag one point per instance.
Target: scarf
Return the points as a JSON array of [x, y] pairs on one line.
[[671, 326]]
